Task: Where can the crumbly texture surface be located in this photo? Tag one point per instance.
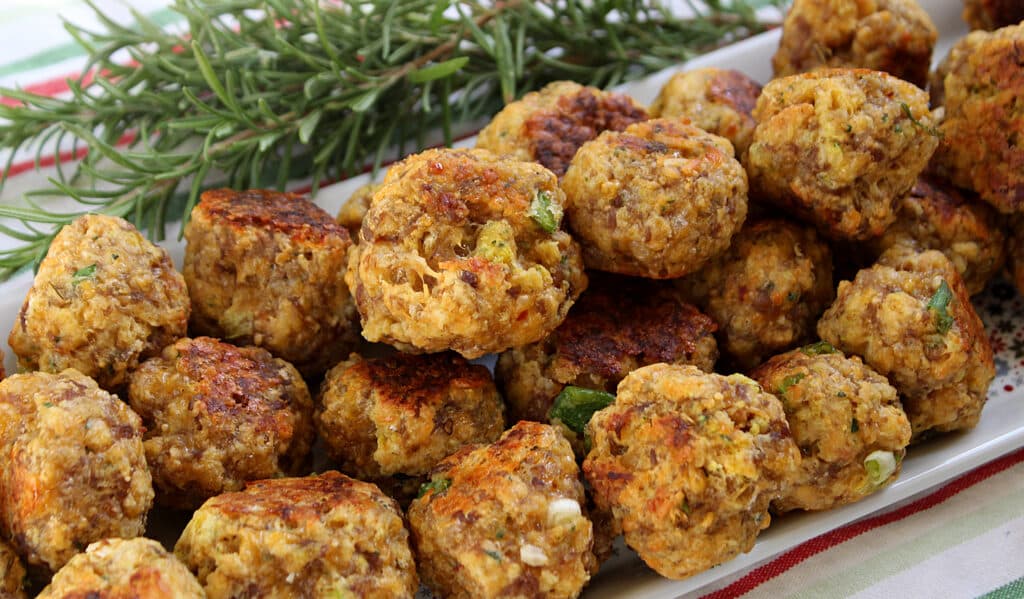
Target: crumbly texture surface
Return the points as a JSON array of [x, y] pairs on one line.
[[1015, 248], [938, 358], [450, 257], [216, 416], [895, 36], [505, 520], [767, 291], [74, 468], [983, 93], [618, 325], [839, 411], [402, 414], [688, 462], [266, 268], [839, 147], [122, 569], [103, 300], [548, 126], [992, 14], [318, 536], [12, 573], [354, 209], [938, 216], [719, 101], [656, 200]]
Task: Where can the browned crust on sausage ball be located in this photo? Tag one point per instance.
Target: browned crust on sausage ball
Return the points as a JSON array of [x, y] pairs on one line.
[[505, 519], [104, 299], [549, 126], [217, 415], [618, 325], [266, 268], [992, 14], [300, 537]]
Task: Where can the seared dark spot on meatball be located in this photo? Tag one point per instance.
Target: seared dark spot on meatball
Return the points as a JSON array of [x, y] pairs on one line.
[[287, 213], [409, 379], [735, 89]]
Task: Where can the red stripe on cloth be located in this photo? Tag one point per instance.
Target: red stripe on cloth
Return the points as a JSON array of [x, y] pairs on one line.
[[49, 88], [50, 160], [808, 549]]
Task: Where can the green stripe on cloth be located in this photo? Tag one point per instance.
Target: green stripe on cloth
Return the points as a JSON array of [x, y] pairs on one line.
[[162, 17], [1011, 590]]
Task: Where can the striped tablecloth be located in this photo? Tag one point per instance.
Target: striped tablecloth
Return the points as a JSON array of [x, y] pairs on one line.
[[963, 539]]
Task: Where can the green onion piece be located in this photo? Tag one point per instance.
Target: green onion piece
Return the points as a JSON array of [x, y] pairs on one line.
[[789, 381], [854, 426], [438, 485], [542, 212], [880, 466], [82, 274], [575, 405], [685, 506], [938, 304], [816, 349], [910, 115]]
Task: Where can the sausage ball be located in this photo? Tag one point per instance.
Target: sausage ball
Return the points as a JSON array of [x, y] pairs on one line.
[[767, 291], [354, 209], [319, 536], [402, 414], [840, 147], [461, 250], [216, 416], [74, 468], [1015, 248], [845, 418], [656, 200], [895, 36], [505, 520], [717, 100], [266, 268], [938, 216], [550, 125], [983, 94], [12, 573], [688, 462], [911, 319], [103, 300], [618, 325], [992, 14], [118, 568]]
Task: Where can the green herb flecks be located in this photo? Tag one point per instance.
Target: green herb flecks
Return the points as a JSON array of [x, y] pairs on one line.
[[939, 305], [83, 274], [910, 115], [436, 486], [854, 425], [790, 381], [817, 349], [493, 555], [574, 406], [685, 507], [543, 213]]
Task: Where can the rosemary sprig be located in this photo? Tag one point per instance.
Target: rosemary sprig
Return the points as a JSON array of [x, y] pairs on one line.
[[260, 92]]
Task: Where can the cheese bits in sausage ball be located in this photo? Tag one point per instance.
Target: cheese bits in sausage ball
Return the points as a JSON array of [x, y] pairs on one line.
[[402, 414], [217, 415], [839, 147], [505, 520], [461, 250], [319, 536], [12, 573], [74, 469], [688, 462], [845, 418], [104, 299], [910, 318], [656, 200], [550, 125], [895, 36], [266, 268], [120, 568], [767, 291]]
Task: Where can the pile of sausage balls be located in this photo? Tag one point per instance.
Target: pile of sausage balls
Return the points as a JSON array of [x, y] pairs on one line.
[[738, 302]]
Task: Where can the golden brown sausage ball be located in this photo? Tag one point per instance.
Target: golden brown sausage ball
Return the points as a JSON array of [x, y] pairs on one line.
[[717, 100], [938, 216], [354, 209], [461, 250], [895, 36], [74, 469], [840, 147], [216, 416], [911, 319], [767, 291], [656, 200], [402, 414], [122, 569], [104, 299], [320, 536], [505, 520], [688, 463], [992, 14], [845, 418], [266, 268], [12, 573], [1015, 248], [618, 325], [983, 94], [550, 125]]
